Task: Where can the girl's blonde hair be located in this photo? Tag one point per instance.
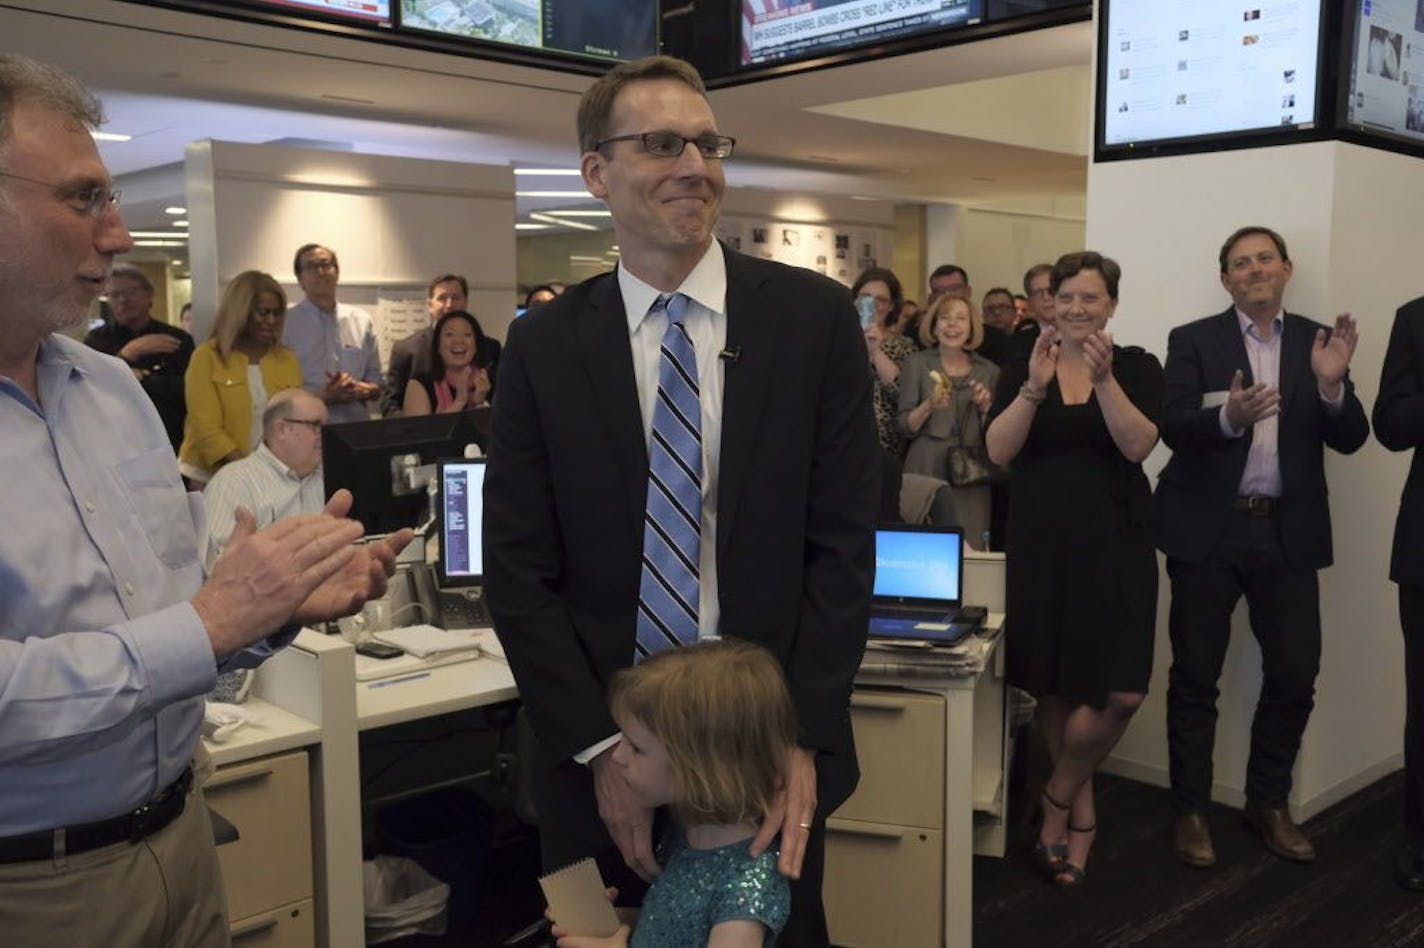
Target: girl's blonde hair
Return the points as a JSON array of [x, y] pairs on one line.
[[238, 301], [938, 307], [724, 714]]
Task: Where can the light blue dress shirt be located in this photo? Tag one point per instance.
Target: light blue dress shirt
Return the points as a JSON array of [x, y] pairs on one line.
[[103, 660], [340, 341]]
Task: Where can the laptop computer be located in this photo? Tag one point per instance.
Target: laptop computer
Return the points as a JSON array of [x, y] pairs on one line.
[[460, 567], [919, 578]]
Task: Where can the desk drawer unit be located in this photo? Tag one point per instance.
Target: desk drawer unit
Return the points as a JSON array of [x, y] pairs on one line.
[[290, 927], [899, 740], [270, 864], [883, 885]]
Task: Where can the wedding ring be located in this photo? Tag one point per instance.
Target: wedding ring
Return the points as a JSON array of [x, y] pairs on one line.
[[805, 826]]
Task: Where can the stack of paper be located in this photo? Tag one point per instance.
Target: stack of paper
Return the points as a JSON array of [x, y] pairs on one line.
[[426, 641]]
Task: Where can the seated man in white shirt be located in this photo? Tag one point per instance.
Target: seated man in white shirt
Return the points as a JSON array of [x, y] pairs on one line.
[[280, 479]]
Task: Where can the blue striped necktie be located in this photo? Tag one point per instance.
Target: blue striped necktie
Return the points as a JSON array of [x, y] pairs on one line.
[[672, 521]]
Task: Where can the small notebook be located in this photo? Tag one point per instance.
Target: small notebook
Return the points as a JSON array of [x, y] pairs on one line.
[[578, 901]]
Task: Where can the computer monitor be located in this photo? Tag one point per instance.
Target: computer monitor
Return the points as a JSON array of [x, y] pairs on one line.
[[462, 505], [377, 461]]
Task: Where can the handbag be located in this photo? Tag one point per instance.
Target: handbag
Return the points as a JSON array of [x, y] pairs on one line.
[[967, 465]]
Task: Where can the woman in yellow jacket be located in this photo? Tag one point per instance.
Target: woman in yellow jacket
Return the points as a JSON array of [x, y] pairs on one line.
[[233, 374]]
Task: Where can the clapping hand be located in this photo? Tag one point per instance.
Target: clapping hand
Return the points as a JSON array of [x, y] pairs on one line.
[[1246, 406], [1098, 353], [980, 394], [1331, 353], [1043, 360], [481, 381]]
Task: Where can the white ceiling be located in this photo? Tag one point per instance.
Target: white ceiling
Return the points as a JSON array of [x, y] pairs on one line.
[[998, 122]]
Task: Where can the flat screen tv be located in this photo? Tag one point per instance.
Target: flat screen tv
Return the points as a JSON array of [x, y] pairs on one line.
[[1383, 69], [605, 29], [773, 30], [378, 460], [364, 11], [1175, 77]]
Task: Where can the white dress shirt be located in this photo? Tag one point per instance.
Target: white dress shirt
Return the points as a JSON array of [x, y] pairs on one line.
[[706, 323]]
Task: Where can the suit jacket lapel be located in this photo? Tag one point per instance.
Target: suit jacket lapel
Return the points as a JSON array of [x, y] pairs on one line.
[[745, 382], [602, 332], [1230, 335]]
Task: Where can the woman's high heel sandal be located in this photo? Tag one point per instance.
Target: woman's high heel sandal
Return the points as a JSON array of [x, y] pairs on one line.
[[1050, 856], [1069, 876]]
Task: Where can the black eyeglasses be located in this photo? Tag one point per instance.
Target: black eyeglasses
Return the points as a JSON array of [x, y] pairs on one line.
[[319, 265], [313, 425], [671, 144], [93, 200]]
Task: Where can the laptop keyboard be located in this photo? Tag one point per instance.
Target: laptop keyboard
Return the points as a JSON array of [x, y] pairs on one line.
[[462, 609]]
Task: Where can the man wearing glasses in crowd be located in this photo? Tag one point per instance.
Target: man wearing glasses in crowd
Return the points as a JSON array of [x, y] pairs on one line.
[[281, 478], [110, 633], [336, 343], [737, 386]]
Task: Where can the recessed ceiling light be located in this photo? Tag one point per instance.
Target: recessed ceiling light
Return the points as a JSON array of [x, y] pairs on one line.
[[584, 258], [158, 243], [552, 172], [546, 219], [179, 211], [552, 194], [533, 226], [180, 223], [579, 213], [160, 234], [110, 136]]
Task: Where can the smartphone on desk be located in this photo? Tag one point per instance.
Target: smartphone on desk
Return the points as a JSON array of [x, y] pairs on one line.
[[374, 649]]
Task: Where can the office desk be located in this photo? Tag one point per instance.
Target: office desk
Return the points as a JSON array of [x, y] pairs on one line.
[[934, 751], [307, 695], [426, 692]]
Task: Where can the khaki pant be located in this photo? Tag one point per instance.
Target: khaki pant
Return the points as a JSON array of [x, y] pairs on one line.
[[164, 892]]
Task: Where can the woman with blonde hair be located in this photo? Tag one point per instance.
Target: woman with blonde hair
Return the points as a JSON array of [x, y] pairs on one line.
[[234, 373], [945, 394]]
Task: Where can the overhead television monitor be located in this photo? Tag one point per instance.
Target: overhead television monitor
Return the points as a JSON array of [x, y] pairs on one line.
[[1384, 70], [773, 30], [1178, 77], [365, 11], [606, 29], [378, 462]]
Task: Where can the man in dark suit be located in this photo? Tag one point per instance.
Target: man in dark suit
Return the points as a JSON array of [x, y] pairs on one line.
[[156, 352], [788, 487], [1399, 425], [411, 355], [1252, 397]]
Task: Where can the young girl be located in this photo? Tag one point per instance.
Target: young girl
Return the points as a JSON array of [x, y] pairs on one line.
[[707, 731]]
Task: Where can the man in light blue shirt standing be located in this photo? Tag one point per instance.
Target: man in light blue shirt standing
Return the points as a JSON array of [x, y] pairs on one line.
[[335, 343], [109, 632]]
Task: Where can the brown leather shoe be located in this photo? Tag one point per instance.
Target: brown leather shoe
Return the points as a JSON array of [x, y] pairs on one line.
[[1280, 834], [1192, 841]]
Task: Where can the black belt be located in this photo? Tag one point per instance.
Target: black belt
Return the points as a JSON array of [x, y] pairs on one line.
[[1257, 506], [131, 827]]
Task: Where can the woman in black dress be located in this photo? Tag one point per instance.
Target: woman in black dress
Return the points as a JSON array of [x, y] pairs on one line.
[[1074, 422]]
